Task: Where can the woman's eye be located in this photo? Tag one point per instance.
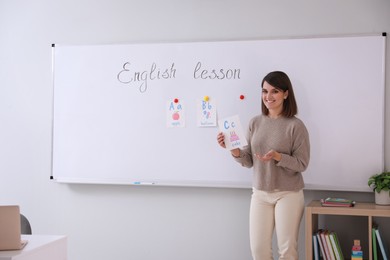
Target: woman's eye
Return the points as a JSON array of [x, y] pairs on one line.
[[272, 91]]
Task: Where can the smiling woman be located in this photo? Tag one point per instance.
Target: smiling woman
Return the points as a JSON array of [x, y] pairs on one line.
[[273, 99], [200, 73]]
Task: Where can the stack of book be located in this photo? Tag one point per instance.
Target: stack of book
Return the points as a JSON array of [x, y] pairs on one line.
[[337, 202], [326, 245], [379, 249]]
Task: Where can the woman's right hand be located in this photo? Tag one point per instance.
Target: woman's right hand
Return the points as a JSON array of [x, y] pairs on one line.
[[221, 140]]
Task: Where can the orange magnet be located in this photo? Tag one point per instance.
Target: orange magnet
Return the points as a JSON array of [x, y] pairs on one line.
[[206, 98]]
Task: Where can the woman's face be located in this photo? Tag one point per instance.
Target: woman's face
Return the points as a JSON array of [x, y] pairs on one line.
[[273, 98]]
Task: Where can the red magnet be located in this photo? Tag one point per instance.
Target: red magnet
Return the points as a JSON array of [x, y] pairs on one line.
[[242, 97], [176, 100]]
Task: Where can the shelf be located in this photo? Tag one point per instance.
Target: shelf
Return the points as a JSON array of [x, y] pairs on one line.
[[314, 209]]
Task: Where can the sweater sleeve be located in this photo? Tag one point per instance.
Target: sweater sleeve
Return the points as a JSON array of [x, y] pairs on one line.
[[299, 158]]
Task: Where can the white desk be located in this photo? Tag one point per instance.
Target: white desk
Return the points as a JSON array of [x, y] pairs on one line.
[[39, 247]]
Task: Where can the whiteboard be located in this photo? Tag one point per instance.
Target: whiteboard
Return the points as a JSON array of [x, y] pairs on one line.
[[110, 109]]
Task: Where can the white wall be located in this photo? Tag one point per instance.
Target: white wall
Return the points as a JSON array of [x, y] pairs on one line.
[[140, 223]]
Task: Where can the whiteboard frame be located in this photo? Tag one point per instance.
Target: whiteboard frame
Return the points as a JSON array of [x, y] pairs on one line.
[[222, 184]]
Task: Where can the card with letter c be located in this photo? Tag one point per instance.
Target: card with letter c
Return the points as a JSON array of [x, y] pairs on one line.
[[233, 131]]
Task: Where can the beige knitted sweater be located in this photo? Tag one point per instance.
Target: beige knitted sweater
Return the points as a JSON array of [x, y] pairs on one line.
[[287, 136]]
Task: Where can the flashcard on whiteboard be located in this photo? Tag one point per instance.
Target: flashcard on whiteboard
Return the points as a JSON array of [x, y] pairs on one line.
[[206, 113], [175, 114], [234, 134]]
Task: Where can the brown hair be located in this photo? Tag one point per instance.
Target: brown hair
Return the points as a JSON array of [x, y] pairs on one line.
[[281, 81]]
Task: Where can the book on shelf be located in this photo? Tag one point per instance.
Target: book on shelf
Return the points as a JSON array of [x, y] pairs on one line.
[[374, 252], [321, 245], [336, 246], [328, 244], [327, 249], [382, 245], [337, 202], [316, 251]]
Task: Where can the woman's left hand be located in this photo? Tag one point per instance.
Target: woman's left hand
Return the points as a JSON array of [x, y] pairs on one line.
[[269, 156]]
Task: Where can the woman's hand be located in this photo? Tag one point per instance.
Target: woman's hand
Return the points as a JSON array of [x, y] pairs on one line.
[[221, 140], [271, 155]]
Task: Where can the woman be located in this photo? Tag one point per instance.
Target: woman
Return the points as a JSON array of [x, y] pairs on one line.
[[278, 150]]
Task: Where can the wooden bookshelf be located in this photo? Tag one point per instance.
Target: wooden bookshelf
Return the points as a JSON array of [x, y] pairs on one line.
[[314, 209]]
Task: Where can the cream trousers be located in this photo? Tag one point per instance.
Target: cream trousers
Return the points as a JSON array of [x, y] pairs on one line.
[[281, 211]]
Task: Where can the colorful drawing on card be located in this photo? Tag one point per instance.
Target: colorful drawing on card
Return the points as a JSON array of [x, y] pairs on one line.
[[175, 114], [234, 134], [206, 113]]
